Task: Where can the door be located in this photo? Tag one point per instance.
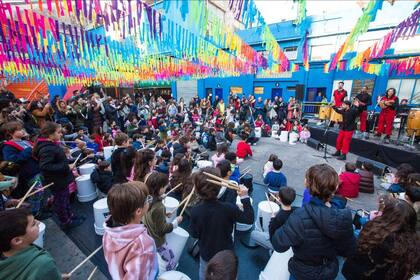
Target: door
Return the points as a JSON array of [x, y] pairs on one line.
[[219, 92], [209, 92], [276, 92]]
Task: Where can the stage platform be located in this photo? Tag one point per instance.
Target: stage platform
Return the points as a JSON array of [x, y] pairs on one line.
[[374, 149]]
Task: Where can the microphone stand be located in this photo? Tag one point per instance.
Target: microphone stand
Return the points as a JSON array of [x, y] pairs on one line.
[[325, 144]]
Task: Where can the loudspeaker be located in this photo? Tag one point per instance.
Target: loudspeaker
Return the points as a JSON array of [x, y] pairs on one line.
[[315, 144], [304, 121], [300, 92], [378, 167]]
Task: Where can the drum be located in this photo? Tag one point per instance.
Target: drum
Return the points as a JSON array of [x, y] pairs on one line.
[[86, 169], [173, 275], [336, 117], [176, 241], [258, 132], [108, 152], [264, 214], [413, 122], [324, 112], [277, 266], [40, 240], [100, 212], [246, 180], [283, 135], [240, 226], [204, 163], [170, 204], [86, 191], [293, 138]]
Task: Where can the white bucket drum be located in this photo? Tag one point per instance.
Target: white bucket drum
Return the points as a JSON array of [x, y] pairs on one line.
[[108, 152], [40, 240], [258, 132], [264, 214], [86, 191], [170, 204], [274, 134], [277, 266], [204, 163], [240, 226], [293, 138], [173, 275], [87, 168], [176, 241], [100, 212], [283, 136]]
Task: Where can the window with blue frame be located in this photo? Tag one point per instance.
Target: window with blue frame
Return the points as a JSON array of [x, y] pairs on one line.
[[406, 89]]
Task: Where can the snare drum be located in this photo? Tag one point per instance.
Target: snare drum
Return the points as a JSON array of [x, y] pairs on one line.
[[336, 117], [413, 122], [324, 112]]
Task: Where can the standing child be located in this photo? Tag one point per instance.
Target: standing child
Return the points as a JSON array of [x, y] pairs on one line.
[[121, 140], [129, 250], [155, 219], [349, 181], [268, 166], [275, 179]]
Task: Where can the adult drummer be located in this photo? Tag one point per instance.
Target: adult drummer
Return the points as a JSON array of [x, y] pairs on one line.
[[338, 97], [389, 105], [365, 99]]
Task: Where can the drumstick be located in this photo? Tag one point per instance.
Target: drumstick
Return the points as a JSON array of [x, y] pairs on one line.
[[26, 195], [221, 180], [85, 260], [177, 186], [349, 199], [269, 204], [186, 203], [233, 187], [179, 205], [41, 189], [246, 172], [74, 163], [92, 273], [273, 196]]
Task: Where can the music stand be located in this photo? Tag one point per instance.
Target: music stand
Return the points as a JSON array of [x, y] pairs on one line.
[[325, 144]]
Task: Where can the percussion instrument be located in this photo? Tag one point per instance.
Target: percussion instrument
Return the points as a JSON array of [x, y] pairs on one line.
[[173, 275], [240, 226], [246, 180], [176, 241], [40, 240], [86, 191], [277, 266], [100, 212], [336, 117], [283, 136], [204, 163], [258, 132], [413, 122], [264, 214], [170, 204], [86, 169], [293, 138], [324, 112], [108, 152]]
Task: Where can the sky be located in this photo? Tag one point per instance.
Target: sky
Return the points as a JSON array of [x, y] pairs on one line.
[[277, 10]]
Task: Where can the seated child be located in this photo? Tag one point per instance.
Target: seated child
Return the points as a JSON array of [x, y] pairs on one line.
[[243, 149], [400, 180], [305, 134], [220, 154], [165, 160], [228, 195], [155, 218], [412, 196], [349, 181], [268, 166], [212, 221], [275, 179], [102, 176], [286, 197], [236, 174], [129, 250], [20, 259], [138, 141], [366, 178], [223, 266], [121, 141]]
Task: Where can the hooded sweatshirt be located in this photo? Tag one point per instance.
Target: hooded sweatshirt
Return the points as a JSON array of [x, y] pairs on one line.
[[130, 252], [32, 263], [349, 184]]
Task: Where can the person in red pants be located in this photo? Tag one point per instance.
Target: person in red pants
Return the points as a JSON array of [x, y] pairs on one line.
[[338, 97], [347, 127], [388, 103], [365, 99]]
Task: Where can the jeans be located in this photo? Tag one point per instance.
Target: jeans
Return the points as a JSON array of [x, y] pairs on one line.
[[261, 238], [202, 269]]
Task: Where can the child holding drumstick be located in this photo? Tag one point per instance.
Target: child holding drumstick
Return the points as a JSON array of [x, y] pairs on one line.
[[212, 221], [155, 218]]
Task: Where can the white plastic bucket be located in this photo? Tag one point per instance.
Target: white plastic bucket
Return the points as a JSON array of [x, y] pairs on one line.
[[264, 214], [86, 191], [40, 240], [100, 212], [173, 275], [86, 169], [277, 266], [258, 132], [108, 152], [204, 163], [293, 138], [283, 136], [176, 241], [170, 204], [240, 226]]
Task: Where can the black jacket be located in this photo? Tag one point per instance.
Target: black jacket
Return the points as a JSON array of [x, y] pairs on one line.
[[349, 117], [102, 179], [279, 220], [53, 164], [317, 234], [116, 166], [212, 223], [365, 98]]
